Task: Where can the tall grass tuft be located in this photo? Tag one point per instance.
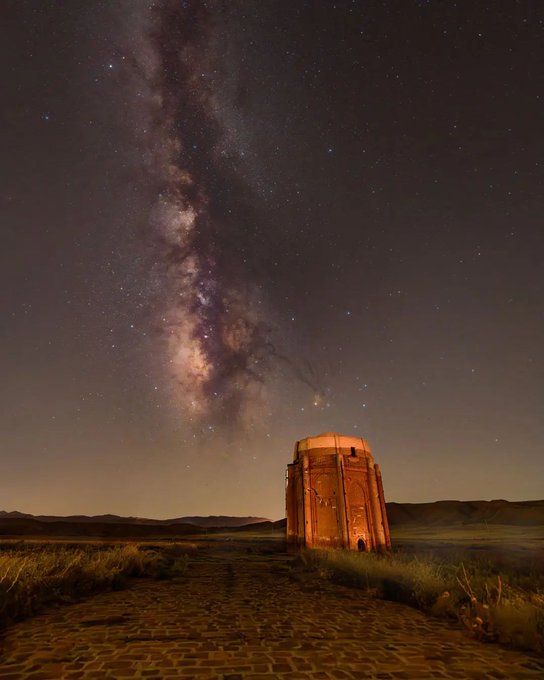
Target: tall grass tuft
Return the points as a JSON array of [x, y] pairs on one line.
[[490, 607], [33, 577], [412, 581]]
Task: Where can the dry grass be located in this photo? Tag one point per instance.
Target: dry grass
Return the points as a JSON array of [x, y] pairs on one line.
[[491, 606], [35, 576], [412, 581]]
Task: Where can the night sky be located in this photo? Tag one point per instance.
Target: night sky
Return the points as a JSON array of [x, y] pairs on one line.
[[229, 225]]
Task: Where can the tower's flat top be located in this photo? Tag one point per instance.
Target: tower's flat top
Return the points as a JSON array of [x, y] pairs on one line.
[[333, 440]]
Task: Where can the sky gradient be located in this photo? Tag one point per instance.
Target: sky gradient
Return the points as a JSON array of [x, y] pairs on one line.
[[227, 226]]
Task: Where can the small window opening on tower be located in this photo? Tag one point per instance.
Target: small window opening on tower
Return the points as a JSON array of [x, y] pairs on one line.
[[353, 451]]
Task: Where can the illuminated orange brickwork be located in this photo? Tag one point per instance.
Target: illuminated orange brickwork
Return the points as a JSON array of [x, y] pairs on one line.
[[335, 495]]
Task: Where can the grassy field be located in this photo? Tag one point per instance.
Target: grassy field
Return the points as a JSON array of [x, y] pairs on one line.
[[531, 537], [36, 575], [491, 579], [36, 572]]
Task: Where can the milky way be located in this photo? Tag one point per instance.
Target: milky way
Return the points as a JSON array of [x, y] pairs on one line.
[[212, 319]]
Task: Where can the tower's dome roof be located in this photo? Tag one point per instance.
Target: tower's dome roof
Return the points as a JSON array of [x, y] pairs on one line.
[[331, 442]]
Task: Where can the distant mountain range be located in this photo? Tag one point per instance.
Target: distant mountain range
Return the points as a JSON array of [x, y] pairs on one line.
[[114, 527], [439, 513], [199, 521], [446, 513]]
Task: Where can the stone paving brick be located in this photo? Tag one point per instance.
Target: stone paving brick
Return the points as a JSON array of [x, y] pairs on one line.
[[241, 617]]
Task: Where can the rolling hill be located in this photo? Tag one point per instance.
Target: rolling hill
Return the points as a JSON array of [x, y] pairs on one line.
[[446, 513], [197, 520]]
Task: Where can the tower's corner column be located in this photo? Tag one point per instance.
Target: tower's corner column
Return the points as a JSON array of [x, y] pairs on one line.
[[376, 508], [342, 507], [385, 520], [291, 506], [306, 491]]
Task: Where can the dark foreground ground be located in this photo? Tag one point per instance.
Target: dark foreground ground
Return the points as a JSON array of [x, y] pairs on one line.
[[242, 611]]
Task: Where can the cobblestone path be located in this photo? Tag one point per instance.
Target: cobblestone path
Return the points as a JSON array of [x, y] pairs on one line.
[[237, 616]]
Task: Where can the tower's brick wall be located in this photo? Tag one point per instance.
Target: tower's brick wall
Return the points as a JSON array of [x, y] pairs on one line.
[[335, 495]]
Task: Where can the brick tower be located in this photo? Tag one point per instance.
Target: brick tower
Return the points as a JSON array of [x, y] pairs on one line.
[[335, 495]]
